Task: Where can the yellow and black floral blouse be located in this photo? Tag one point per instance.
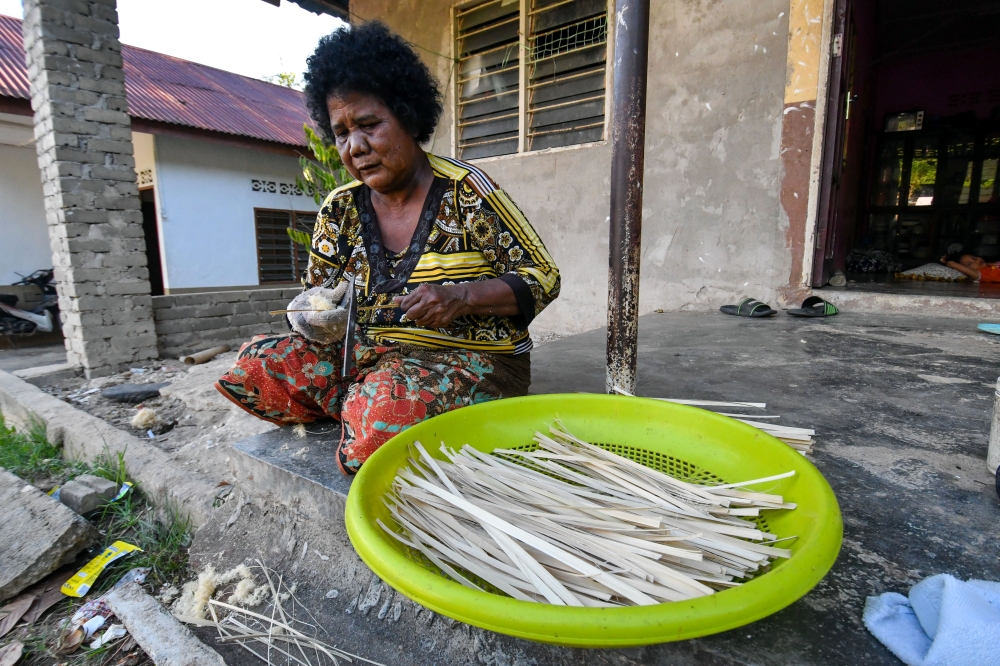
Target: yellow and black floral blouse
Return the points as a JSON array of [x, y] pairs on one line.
[[469, 231]]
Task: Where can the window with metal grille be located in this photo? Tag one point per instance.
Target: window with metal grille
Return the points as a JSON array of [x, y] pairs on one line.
[[488, 76], [544, 91], [279, 258], [568, 46]]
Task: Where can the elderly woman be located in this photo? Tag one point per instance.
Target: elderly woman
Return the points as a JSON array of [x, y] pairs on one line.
[[445, 271]]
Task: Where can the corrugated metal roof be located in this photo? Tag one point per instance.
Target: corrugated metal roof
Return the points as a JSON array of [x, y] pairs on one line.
[[170, 90]]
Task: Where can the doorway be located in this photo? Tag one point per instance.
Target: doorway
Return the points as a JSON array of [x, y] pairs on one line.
[[150, 229], [912, 145]]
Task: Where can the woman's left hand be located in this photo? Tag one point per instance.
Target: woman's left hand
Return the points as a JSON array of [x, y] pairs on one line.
[[434, 305]]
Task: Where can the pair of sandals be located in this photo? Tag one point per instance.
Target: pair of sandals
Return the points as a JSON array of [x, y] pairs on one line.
[[814, 306]]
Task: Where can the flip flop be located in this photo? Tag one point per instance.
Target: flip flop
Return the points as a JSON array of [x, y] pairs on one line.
[[814, 306], [748, 307], [989, 328]]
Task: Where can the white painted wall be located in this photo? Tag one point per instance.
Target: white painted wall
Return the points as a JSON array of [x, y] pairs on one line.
[[24, 236], [206, 207], [143, 148]]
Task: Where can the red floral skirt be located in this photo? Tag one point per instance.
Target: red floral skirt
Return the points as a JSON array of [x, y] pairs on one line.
[[288, 379]]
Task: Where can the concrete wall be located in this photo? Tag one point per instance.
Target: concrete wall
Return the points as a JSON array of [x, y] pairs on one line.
[[206, 202], [23, 233], [714, 228], [187, 323]]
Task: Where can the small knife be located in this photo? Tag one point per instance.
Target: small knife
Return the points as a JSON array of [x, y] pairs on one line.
[[347, 364]]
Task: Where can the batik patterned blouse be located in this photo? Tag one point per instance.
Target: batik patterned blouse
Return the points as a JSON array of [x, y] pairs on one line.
[[469, 231]]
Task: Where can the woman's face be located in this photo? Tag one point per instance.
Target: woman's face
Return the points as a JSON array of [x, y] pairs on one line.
[[373, 144]]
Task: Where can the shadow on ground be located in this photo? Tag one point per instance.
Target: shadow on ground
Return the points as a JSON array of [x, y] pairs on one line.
[[902, 407]]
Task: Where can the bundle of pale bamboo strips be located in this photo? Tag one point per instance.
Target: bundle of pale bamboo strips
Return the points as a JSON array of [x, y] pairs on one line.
[[800, 439], [573, 524]]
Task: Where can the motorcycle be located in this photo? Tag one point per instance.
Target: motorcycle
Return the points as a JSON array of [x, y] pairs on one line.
[[41, 318]]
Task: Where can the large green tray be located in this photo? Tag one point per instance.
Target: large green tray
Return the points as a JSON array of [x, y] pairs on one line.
[[682, 440]]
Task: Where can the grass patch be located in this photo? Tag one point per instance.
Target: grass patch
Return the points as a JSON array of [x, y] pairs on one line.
[[162, 534], [32, 457]]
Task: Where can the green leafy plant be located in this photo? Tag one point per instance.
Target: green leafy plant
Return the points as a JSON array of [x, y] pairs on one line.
[[324, 174], [300, 237], [286, 79]]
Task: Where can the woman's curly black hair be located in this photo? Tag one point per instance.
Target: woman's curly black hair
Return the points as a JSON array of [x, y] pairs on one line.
[[369, 58]]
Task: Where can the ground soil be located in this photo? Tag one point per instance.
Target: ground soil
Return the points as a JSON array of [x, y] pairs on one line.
[[195, 422]]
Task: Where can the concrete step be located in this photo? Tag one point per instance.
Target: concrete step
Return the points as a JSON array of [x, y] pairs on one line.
[[284, 465]]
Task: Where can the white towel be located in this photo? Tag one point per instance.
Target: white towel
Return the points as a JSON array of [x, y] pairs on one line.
[[944, 622]]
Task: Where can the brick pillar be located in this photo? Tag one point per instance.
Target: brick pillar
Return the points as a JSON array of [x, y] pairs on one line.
[[84, 140]]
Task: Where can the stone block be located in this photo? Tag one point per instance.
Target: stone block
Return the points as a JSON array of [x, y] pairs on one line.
[[214, 310], [58, 63], [264, 295], [64, 124], [170, 313], [81, 7], [158, 633], [87, 216], [106, 116], [37, 535], [162, 302], [96, 25], [109, 146], [250, 319], [106, 86], [116, 173], [100, 57], [104, 13], [87, 493], [202, 298]]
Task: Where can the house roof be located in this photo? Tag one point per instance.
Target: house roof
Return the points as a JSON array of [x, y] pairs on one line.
[[170, 90]]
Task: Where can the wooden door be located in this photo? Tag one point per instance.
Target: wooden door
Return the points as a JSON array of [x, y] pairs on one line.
[[841, 151]]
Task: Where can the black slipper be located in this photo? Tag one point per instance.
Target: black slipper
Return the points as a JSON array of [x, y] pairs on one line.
[[748, 307], [814, 306]]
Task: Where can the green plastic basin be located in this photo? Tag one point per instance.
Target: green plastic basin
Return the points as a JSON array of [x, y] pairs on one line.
[[682, 440]]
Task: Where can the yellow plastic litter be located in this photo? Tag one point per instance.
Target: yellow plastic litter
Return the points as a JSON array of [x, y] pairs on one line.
[[83, 580]]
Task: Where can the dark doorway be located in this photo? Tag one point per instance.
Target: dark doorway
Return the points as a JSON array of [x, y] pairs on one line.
[[150, 230], [913, 141]]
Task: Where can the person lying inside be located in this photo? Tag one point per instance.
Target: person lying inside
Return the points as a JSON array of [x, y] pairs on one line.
[[973, 267]]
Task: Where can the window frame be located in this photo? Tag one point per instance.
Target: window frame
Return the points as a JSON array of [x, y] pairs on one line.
[[296, 214], [522, 85]]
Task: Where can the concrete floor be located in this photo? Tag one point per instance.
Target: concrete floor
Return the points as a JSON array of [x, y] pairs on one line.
[[902, 406], [26, 356]]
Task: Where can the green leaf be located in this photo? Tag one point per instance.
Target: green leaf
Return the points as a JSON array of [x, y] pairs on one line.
[[300, 237], [323, 174]]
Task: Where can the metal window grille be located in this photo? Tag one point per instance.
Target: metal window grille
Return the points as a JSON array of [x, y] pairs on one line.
[[567, 44], [488, 76], [279, 259]]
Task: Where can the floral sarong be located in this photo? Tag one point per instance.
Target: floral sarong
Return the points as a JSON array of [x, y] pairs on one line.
[[287, 379]]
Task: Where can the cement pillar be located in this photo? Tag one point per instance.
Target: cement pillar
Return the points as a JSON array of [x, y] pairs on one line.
[[84, 140]]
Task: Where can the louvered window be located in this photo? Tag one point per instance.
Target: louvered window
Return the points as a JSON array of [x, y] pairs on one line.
[[488, 75], [566, 76], [544, 92], [279, 258]]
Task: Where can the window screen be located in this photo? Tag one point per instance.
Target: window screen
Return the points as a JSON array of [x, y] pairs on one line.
[[561, 80], [488, 75], [279, 259], [568, 49]]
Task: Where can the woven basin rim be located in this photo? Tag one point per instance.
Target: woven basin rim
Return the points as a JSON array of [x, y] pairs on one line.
[[818, 525]]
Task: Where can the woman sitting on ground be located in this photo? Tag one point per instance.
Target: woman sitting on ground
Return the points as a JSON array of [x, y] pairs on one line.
[[973, 267], [445, 271]]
